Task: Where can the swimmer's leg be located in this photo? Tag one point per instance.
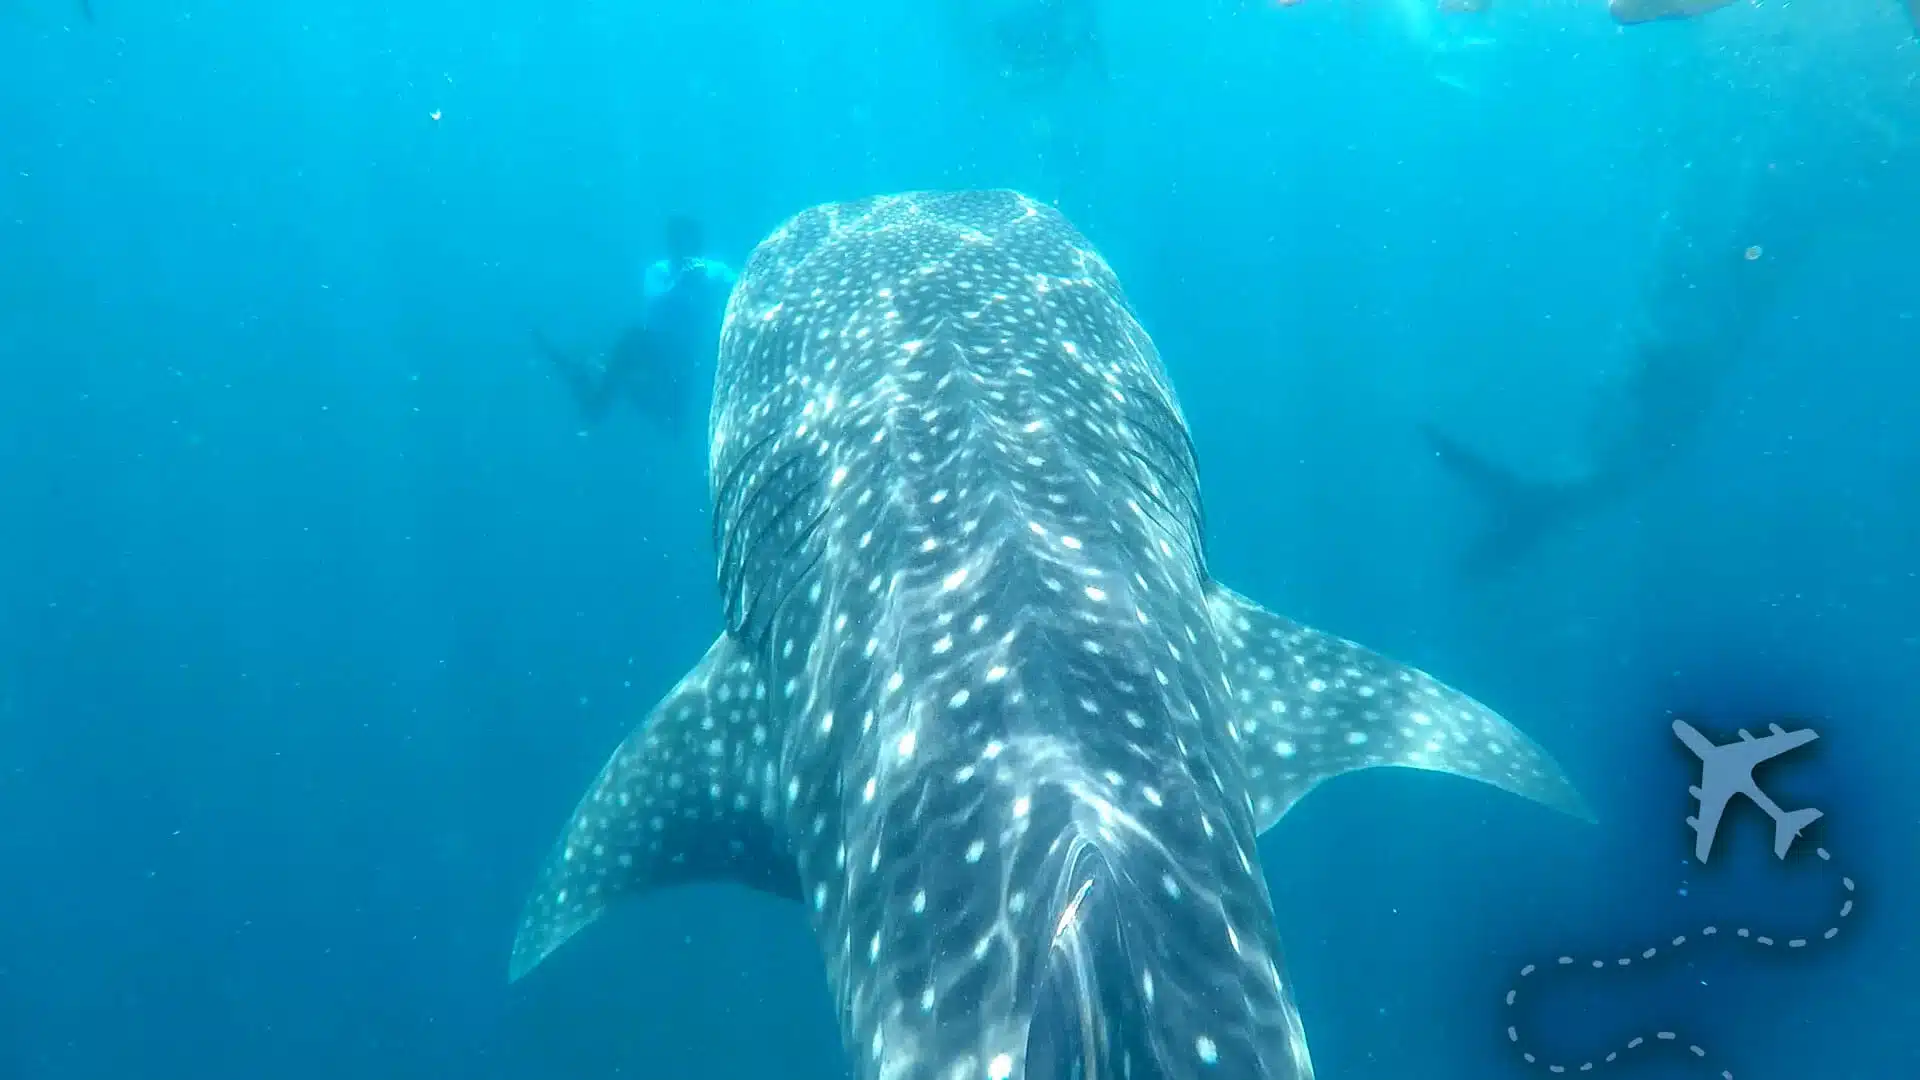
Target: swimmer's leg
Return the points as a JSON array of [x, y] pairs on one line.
[[654, 371], [592, 390]]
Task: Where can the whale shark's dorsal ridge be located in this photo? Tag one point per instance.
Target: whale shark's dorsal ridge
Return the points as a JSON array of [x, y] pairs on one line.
[[979, 705]]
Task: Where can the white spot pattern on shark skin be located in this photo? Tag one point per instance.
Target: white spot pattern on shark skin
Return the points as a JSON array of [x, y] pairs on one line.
[[949, 469], [1315, 706], [643, 823]]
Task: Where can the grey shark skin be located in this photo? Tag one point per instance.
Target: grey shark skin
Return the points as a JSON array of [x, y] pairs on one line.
[[979, 706]]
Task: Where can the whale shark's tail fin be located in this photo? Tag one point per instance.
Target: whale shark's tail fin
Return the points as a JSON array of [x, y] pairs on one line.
[[1519, 513], [86, 10], [1787, 828]]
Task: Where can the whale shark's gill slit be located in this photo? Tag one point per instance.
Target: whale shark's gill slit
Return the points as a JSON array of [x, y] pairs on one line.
[[1170, 517], [727, 492], [1191, 459], [1164, 481], [1181, 457], [1184, 455], [800, 570], [741, 528], [752, 618], [746, 546]]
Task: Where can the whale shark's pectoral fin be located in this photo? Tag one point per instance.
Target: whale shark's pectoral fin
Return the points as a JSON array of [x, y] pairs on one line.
[[684, 799], [1314, 706]]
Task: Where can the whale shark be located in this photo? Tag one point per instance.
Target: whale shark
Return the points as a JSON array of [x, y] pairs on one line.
[[979, 707]]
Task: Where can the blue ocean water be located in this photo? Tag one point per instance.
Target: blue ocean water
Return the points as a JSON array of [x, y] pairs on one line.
[[318, 609]]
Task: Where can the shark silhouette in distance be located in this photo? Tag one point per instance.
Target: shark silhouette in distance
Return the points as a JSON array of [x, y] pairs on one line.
[[1041, 45], [980, 709], [1667, 398], [1456, 54], [1046, 61], [1625, 12], [1703, 319], [1632, 12], [1727, 770], [1732, 241]]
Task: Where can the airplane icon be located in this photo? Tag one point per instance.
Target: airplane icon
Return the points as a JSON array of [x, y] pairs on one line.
[[1727, 770]]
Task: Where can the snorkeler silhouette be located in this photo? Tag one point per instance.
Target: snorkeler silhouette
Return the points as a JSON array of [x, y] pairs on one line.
[[1702, 325], [657, 363]]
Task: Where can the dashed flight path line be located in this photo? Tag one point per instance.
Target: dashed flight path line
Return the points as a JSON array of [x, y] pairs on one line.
[[1677, 943]]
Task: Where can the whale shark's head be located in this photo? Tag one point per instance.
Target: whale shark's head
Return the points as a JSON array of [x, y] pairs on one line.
[[960, 520], [979, 705]]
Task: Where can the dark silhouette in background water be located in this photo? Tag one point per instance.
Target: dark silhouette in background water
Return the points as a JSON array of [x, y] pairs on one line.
[[660, 364], [1041, 45], [1048, 63], [1770, 161], [1706, 304]]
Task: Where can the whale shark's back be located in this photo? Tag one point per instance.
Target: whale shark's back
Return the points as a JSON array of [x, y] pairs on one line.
[[959, 519], [972, 340]]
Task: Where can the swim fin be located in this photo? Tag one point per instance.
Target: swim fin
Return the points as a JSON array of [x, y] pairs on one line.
[[592, 395]]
